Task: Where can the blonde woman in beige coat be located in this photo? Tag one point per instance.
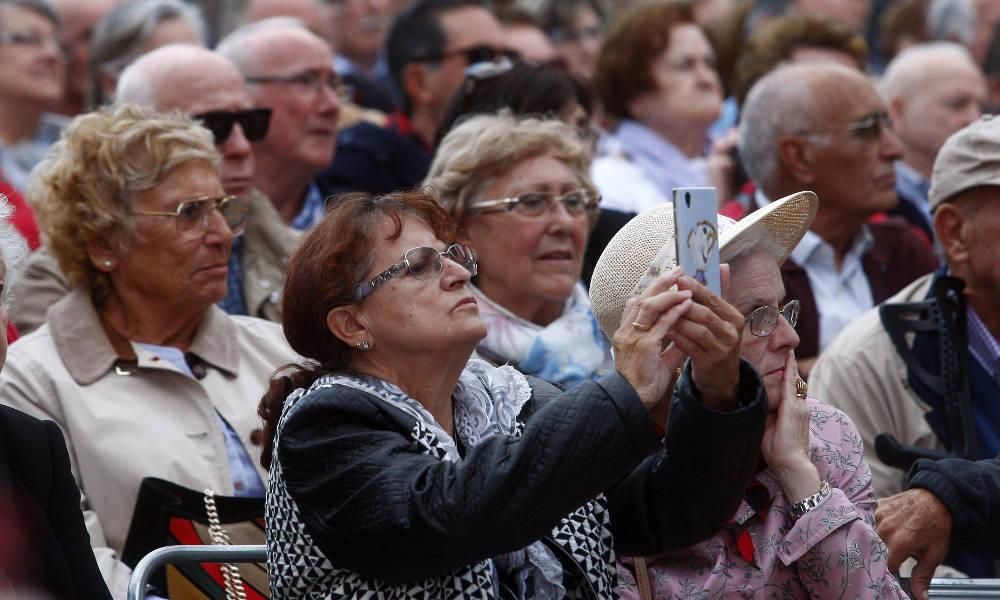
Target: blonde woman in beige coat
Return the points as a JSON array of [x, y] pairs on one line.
[[145, 376]]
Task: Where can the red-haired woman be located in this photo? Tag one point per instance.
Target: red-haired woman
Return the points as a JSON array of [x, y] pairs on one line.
[[401, 469]]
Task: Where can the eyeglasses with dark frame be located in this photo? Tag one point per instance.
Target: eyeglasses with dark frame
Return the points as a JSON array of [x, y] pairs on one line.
[[763, 320], [313, 79], [473, 54], [254, 123], [192, 216], [579, 202], [422, 263]]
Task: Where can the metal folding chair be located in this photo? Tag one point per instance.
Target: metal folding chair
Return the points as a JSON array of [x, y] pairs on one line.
[[962, 589], [160, 557]]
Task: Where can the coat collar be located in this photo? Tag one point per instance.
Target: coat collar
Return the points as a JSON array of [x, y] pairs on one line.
[[87, 352]]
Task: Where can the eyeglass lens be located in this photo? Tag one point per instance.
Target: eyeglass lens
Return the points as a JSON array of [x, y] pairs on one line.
[[424, 262], [764, 320], [193, 215], [577, 202], [254, 123]]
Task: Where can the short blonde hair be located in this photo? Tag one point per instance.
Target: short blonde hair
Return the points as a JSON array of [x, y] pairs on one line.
[[84, 188], [484, 147]]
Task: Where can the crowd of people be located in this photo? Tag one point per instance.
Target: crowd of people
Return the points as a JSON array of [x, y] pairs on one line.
[[399, 279]]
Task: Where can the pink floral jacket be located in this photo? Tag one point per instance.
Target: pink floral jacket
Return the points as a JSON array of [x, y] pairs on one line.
[[830, 552]]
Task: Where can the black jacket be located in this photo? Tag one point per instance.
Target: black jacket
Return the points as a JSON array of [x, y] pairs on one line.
[[375, 504], [38, 490], [971, 492]]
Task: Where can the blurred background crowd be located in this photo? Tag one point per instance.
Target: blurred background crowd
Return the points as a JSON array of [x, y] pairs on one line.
[[267, 111]]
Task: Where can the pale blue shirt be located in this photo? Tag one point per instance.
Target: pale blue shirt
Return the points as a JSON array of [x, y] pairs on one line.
[[246, 481], [842, 295], [983, 346]]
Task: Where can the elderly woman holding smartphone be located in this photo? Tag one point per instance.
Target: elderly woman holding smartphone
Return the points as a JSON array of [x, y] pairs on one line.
[[400, 468], [804, 528]]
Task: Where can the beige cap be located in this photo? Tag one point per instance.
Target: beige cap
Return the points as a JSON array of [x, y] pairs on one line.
[[969, 158], [649, 238]]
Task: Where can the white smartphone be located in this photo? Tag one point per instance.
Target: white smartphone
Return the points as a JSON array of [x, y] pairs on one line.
[[697, 229]]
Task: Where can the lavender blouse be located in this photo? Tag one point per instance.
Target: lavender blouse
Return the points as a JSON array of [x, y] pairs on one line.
[[830, 552]]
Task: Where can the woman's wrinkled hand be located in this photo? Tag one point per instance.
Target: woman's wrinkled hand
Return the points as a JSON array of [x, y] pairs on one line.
[[710, 333], [785, 446], [641, 351]]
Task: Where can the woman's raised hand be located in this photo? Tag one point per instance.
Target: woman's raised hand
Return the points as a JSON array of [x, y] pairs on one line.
[[710, 333], [643, 335]]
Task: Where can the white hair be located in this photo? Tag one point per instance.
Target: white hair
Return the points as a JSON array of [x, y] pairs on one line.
[[952, 20], [780, 103], [236, 45], [907, 70], [13, 249]]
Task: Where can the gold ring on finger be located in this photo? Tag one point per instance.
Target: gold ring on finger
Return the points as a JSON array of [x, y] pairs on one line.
[[801, 388], [640, 326]]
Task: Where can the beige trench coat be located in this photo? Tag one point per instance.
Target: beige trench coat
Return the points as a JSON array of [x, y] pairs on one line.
[[861, 373], [123, 424]]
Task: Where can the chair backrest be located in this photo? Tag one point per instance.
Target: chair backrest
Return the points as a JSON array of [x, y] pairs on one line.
[[189, 554], [955, 589]]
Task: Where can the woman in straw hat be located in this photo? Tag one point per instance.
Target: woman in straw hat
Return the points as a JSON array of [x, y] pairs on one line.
[[805, 526]]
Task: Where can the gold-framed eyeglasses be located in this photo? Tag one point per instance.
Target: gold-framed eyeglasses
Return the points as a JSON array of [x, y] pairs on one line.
[[422, 263], [763, 320], [192, 216], [578, 203]]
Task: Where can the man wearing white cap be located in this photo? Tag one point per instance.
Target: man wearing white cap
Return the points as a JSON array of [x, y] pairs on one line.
[[925, 367]]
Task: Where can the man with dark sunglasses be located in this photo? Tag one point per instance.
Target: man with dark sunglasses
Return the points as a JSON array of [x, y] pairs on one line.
[[429, 46], [208, 86]]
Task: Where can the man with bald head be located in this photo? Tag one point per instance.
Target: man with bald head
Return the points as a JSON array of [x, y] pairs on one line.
[[210, 87], [932, 90], [823, 127], [288, 69]]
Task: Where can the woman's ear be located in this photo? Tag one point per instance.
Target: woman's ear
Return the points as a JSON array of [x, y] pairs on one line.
[[101, 255], [347, 323]]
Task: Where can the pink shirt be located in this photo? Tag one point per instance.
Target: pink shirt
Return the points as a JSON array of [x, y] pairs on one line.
[[830, 552]]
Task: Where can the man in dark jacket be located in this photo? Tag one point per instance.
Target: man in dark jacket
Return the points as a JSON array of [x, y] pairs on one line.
[[950, 504], [823, 127], [428, 47]]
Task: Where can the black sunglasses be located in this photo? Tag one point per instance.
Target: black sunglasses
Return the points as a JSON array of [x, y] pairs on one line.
[[254, 123], [473, 54]]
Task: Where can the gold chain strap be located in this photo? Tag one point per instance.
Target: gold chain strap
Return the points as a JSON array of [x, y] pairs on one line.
[[231, 577]]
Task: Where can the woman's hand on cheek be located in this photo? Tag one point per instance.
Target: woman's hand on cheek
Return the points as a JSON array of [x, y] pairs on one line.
[[785, 446], [642, 336]]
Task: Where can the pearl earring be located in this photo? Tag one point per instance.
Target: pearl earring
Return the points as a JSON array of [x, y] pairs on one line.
[[107, 263]]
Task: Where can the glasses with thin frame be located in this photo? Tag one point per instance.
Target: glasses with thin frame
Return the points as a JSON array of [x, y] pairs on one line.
[[763, 320], [32, 39], [422, 263], [192, 216], [867, 128], [254, 123], [578, 203], [313, 80]]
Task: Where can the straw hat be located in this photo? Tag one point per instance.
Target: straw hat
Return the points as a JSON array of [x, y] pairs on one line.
[[645, 247]]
